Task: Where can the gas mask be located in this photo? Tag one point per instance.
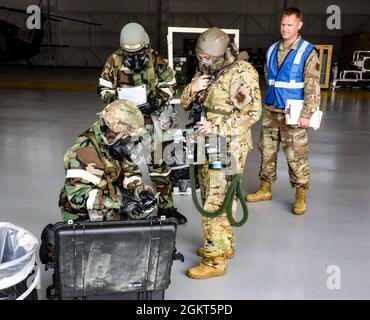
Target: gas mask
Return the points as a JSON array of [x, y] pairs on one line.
[[122, 145], [207, 62], [122, 149], [213, 67], [136, 61], [210, 67]]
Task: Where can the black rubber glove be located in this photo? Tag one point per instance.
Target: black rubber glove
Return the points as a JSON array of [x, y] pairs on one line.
[[150, 106], [148, 200], [132, 208]]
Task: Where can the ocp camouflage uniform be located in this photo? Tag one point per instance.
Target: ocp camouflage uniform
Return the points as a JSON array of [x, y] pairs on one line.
[[86, 193], [159, 79], [233, 104], [294, 140]]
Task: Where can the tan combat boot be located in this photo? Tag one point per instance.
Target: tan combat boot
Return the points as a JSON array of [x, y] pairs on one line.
[[263, 193], [229, 254], [300, 201], [202, 271]]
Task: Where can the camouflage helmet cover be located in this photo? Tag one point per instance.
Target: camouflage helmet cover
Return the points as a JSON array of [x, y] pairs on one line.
[[123, 116], [133, 37], [213, 42]]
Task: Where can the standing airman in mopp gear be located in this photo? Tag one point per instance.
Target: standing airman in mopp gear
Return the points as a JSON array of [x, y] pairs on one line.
[[136, 64], [226, 87]]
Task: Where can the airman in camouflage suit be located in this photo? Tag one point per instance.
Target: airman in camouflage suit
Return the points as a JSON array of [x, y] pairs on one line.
[[293, 138], [135, 63], [233, 104], [98, 186]]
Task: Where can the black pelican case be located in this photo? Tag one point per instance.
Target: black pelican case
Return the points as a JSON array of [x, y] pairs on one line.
[[128, 260]]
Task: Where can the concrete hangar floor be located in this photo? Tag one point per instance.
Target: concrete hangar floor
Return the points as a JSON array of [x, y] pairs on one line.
[[278, 255]]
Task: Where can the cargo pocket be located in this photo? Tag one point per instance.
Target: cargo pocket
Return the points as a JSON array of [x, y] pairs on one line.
[[300, 143]]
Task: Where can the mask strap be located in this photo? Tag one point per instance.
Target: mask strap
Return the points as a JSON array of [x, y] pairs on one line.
[[233, 51], [118, 137]]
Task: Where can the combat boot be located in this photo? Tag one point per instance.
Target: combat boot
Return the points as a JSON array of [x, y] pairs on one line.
[[300, 201], [229, 253], [202, 271], [263, 193]]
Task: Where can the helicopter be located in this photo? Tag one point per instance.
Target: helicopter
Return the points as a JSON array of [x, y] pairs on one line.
[[12, 48]]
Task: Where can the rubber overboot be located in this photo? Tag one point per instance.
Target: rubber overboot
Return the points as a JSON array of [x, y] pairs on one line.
[[300, 201], [263, 193], [229, 254], [202, 271], [173, 213]]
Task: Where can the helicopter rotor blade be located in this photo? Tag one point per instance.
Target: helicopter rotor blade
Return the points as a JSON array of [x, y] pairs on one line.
[[75, 20], [52, 17], [13, 9]]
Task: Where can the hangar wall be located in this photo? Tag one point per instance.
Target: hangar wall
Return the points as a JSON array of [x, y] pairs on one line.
[[68, 43]]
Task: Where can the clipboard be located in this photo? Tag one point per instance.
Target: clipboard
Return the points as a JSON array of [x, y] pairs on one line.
[[293, 111], [136, 95]]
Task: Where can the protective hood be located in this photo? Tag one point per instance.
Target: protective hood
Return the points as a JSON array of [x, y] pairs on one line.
[[216, 43]]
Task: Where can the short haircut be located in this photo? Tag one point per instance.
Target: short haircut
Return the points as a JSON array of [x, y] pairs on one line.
[[292, 10]]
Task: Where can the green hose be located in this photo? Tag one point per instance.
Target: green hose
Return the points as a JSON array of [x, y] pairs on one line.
[[226, 204]]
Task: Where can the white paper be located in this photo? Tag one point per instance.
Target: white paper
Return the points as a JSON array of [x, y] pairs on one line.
[[136, 95], [293, 113], [316, 120]]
